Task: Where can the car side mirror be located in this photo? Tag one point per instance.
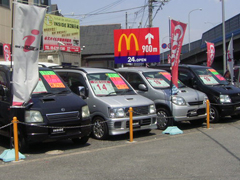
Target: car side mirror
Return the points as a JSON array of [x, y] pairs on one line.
[[82, 91], [142, 87], [2, 92], [194, 83]]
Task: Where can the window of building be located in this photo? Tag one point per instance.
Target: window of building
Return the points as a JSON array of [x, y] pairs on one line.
[[23, 1], [5, 3], [42, 2]]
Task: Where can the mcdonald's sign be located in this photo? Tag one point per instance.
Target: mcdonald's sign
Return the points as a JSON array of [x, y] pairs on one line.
[[136, 45]]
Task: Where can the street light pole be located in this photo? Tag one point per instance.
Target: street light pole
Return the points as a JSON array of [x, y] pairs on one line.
[[189, 27], [224, 37]]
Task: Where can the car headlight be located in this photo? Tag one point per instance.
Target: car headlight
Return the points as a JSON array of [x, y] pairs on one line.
[[85, 112], [152, 109], [33, 117], [225, 99], [178, 100], [116, 112]]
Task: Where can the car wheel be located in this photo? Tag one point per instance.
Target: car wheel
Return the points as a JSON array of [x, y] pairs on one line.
[[23, 146], [163, 118], [99, 128], [80, 140], [198, 122], [214, 115]]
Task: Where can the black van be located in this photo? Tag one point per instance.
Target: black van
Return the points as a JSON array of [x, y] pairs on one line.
[[52, 113], [224, 97]]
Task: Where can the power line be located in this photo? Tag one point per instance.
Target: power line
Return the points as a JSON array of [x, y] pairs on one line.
[[106, 12]]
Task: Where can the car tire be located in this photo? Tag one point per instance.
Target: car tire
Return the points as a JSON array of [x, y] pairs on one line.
[[214, 115], [99, 128], [80, 140], [163, 118], [23, 146], [198, 122]]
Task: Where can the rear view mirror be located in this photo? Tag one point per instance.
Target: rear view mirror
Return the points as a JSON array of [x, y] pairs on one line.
[[2, 93], [194, 83], [142, 87], [82, 91]]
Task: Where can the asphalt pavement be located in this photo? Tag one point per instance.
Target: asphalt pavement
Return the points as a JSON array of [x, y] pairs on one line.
[[197, 154]]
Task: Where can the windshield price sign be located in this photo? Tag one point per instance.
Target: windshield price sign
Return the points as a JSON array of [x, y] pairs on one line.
[[136, 45]]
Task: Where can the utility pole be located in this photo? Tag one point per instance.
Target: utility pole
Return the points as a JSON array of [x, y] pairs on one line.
[[150, 11], [126, 20]]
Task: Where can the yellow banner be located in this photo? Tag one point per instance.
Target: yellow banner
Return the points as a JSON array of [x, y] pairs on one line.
[[65, 31]]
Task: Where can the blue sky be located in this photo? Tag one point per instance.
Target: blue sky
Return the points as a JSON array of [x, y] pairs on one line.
[[114, 12]]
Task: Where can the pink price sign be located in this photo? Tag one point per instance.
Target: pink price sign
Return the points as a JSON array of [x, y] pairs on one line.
[[52, 79], [118, 81]]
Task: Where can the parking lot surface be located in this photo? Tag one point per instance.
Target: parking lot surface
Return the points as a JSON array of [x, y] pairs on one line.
[[198, 153]]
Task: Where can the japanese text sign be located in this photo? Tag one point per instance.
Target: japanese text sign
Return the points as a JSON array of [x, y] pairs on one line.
[[52, 79], [61, 29]]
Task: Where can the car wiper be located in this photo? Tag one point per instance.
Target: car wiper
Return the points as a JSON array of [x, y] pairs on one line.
[[219, 84], [64, 91], [45, 94], [126, 91], [111, 93]]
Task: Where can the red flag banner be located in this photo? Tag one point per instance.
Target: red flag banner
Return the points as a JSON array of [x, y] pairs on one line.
[[177, 35], [210, 53], [7, 52]]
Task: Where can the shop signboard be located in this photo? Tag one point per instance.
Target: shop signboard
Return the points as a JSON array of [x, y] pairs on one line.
[[61, 32]]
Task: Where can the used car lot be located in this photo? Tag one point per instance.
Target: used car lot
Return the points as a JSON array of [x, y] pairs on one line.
[[198, 153]]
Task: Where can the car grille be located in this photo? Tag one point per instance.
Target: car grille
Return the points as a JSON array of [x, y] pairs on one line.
[[201, 111], [195, 103], [143, 122], [235, 98], [138, 111], [65, 116]]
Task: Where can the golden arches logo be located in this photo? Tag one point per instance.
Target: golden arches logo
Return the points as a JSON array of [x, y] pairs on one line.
[[128, 41]]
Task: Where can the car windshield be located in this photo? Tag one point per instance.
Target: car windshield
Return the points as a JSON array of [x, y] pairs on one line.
[[50, 83], [109, 84], [210, 76], [160, 79]]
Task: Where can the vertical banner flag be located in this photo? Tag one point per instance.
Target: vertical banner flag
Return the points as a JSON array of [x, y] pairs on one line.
[[27, 31], [177, 35], [210, 53], [7, 52], [230, 60], [136, 45]]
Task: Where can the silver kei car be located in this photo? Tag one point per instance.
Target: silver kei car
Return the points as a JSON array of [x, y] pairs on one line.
[[109, 98], [186, 104]]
